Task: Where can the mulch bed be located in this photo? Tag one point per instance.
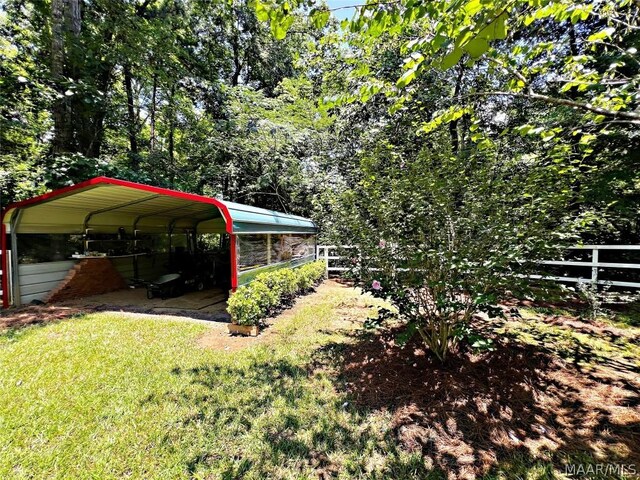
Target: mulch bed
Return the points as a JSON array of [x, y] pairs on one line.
[[35, 314], [475, 410]]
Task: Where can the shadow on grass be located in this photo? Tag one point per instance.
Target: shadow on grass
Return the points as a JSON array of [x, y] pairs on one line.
[[580, 354], [519, 409], [628, 314], [475, 413], [275, 420]]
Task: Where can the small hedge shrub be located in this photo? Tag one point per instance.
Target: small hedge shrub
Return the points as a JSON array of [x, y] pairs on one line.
[[250, 304]]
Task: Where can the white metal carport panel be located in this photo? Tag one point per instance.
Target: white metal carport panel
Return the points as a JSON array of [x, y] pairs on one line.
[[44, 219], [217, 225], [38, 279]]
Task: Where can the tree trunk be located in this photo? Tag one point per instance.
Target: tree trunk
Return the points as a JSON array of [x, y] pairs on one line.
[[61, 134], [75, 17], [132, 123], [453, 126], [152, 140], [573, 43], [172, 128], [237, 64], [235, 45], [89, 118]]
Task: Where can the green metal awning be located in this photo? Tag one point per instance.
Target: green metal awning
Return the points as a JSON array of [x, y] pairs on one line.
[[105, 204], [248, 219]]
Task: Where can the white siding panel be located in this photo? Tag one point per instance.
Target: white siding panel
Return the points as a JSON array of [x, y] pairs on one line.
[[38, 279], [46, 267]]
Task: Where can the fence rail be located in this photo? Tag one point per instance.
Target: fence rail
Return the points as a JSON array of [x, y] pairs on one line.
[[324, 253]]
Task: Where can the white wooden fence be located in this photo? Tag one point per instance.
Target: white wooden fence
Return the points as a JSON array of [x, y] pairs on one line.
[[324, 253]]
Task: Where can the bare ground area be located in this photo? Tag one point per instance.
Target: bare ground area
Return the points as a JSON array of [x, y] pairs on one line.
[[36, 314], [207, 305]]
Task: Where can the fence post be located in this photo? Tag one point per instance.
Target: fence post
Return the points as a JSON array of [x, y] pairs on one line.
[[326, 261], [594, 268]]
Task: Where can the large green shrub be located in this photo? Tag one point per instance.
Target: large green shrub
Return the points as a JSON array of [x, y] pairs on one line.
[[244, 306], [452, 236], [252, 303], [288, 280], [309, 274]]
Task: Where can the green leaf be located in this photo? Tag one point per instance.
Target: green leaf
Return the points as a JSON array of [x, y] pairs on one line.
[[319, 18], [501, 27], [476, 47], [407, 77], [601, 35], [464, 37], [262, 13], [403, 337], [280, 25], [472, 7], [451, 59]]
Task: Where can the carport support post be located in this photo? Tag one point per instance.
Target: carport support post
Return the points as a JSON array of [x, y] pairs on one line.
[[5, 264], [15, 275], [234, 261], [268, 249], [135, 253]]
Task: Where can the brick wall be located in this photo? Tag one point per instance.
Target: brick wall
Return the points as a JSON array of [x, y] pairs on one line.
[[90, 276]]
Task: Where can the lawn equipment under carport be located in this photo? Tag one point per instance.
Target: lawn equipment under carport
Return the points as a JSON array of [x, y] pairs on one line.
[[165, 286]]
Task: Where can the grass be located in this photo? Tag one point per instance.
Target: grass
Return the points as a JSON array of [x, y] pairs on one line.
[[111, 396], [116, 396], [584, 347], [629, 317]]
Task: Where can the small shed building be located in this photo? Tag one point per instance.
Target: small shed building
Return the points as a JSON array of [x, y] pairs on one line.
[[122, 233]]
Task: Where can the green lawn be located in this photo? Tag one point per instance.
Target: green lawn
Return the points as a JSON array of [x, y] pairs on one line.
[[114, 396], [109, 396]]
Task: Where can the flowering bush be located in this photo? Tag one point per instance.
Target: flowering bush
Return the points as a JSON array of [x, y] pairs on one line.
[[250, 304], [442, 239]]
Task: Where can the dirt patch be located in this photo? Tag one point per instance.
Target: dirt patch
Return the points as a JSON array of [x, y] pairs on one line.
[[36, 314], [478, 409], [218, 338]]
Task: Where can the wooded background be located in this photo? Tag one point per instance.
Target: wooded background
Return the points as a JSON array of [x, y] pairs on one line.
[[280, 106]]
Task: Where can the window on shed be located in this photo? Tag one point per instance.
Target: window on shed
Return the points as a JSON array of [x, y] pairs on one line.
[[256, 251], [252, 251], [291, 247]]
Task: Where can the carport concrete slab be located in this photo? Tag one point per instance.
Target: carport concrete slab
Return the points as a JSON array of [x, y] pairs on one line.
[[135, 299]]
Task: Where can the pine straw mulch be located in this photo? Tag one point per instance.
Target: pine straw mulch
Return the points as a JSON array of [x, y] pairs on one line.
[[36, 314], [479, 409]]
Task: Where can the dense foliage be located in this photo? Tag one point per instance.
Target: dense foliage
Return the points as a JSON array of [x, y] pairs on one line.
[[270, 291], [195, 95], [481, 136], [449, 238]]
